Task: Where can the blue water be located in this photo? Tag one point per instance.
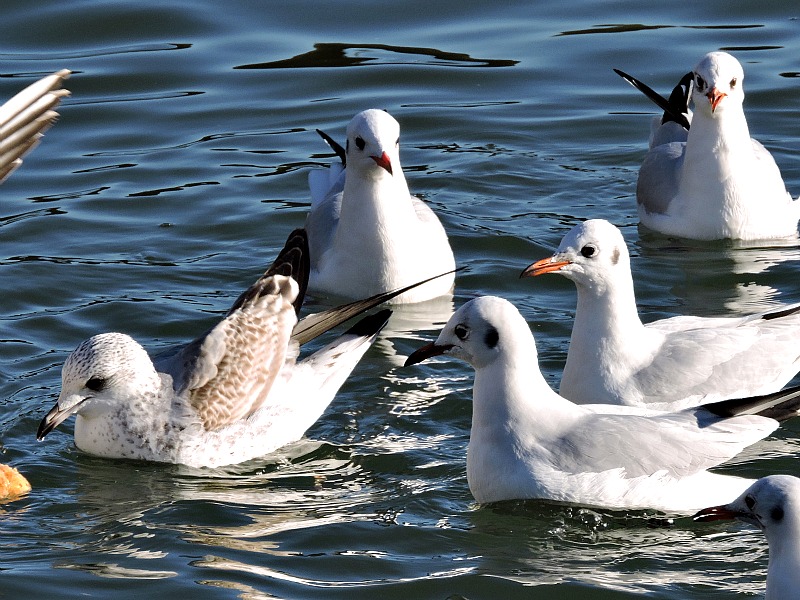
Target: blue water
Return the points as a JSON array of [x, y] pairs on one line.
[[178, 168]]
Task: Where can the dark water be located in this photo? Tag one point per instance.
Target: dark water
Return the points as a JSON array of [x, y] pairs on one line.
[[177, 170]]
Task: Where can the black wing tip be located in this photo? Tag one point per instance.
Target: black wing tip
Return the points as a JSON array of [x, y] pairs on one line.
[[371, 324], [781, 405], [294, 261], [674, 107], [335, 146]]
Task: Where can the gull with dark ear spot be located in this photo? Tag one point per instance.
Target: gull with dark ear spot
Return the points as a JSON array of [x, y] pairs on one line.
[[26, 116], [773, 505], [711, 180], [666, 364], [366, 232], [528, 442], [235, 393]]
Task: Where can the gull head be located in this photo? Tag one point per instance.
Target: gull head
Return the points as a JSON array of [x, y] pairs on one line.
[[102, 374], [772, 503], [479, 332], [717, 83], [590, 254], [373, 143]]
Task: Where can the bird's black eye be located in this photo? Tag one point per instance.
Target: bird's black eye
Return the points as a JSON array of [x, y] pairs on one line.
[[360, 143], [588, 251], [461, 331], [700, 83], [750, 502], [397, 143], [776, 514], [96, 384], [733, 82]]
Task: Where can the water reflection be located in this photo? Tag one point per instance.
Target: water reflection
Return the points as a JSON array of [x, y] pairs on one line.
[[355, 55]]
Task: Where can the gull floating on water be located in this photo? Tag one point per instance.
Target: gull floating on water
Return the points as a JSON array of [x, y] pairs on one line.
[[366, 232], [529, 442], [772, 504], [667, 364], [235, 393], [704, 177], [26, 116]]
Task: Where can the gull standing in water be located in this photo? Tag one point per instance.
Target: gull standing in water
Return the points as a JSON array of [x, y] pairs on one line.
[[773, 505], [366, 232], [671, 363], [26, 116], [528, 442], [235, 393], [704, 177]]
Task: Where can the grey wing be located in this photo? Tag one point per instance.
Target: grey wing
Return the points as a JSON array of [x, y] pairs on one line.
[[24, 117], [326, 203], [736, 357], [681, 443], [659, 177]]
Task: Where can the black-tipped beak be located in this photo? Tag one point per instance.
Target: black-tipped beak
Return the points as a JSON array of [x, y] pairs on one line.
[[426, 352], [384, 162], [56, 416], [716, 513]]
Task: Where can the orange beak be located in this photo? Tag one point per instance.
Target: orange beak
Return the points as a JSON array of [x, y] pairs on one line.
[[540, 267], [715, 97], [383, 161]]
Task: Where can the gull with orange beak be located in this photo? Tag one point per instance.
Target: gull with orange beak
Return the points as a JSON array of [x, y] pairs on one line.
[[667, 364], [704, 177], [366, 232]]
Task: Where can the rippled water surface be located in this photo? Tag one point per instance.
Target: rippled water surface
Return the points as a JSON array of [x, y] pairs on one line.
[[178, 168]]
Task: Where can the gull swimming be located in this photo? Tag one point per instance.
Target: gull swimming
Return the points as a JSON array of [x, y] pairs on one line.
[[235, 393], [366, 232], [773, 505], [528, 442], [26, 116], [704, 177], [614, 358]]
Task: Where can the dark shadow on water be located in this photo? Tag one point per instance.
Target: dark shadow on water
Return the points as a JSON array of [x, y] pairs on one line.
[[353, 55]]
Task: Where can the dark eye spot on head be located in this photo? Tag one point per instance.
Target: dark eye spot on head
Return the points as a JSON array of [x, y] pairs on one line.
[[492, 337], [615, 256], [776, 514], [733, 82], [750, 502], [96, 384], [397, 143], [461, 331], [360, 143], [588, 250]]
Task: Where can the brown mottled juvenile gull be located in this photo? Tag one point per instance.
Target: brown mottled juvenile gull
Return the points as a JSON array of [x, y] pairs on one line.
[[26, 116], [235, 393]]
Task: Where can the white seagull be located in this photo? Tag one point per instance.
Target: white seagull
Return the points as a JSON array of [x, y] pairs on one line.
[[367, 233], [26, 116], [772, 504], [671, 363], [529, 442], [713, 181], [235, 393]]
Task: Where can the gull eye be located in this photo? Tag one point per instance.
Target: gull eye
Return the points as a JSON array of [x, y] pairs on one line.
[[360, 143], [700, 83], [461, 331], [588, 251], [733, 82], [750, 502], [96, 384], [397, 143]]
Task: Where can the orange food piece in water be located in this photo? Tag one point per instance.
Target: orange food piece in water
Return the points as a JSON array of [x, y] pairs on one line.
[[12, 483]]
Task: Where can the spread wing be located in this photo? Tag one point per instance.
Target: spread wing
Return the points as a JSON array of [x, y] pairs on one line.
[[24, 118], [227, 373]]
